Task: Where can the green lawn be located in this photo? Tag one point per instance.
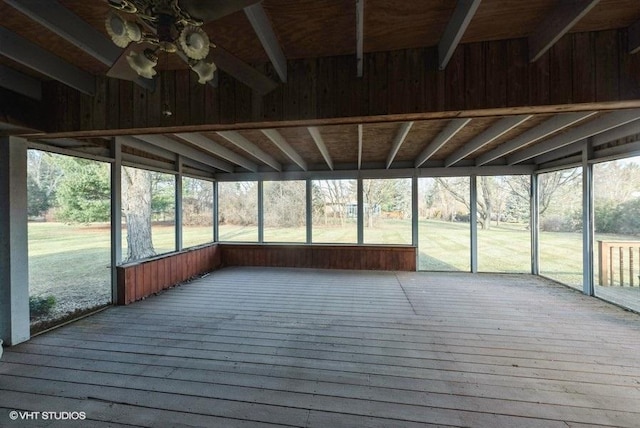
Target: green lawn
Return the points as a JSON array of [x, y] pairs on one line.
[[71, 262]]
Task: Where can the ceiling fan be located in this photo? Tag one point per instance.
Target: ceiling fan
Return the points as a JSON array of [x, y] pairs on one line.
[[148, 28]]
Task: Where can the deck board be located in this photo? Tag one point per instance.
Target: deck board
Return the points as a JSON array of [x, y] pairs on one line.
[[315, 348]]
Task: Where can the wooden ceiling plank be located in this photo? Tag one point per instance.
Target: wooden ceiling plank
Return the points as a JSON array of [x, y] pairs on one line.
[[360, 143], [454, 126], [503, 126], [241, 71], [398, 141], [281, 143], [242, 143], [20, 83], [589, 129], [60, 20], [30, 55], [217, 150], [264, 30], [360, 37], [557, 24], [182, 150], [555, 124], [462, 15], [317, 138], [633, 37]]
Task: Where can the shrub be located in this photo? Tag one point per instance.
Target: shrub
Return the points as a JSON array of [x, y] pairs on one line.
[[41, 306]]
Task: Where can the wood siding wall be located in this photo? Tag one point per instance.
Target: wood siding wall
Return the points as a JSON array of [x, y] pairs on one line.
[[137, 281], [580, 68], [358, 257]]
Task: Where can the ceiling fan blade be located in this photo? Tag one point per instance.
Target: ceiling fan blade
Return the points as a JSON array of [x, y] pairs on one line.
[[241, 71], [121, 70], [210, 10]]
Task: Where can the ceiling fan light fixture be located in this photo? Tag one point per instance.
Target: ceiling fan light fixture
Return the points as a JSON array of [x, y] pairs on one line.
[[194, 42], [143, 63], [134, 32], [205, 70], [117, 30]]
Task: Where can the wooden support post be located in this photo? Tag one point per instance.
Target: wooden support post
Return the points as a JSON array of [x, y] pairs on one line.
[[603, 263], [621, 262], [116, 218], [630, 266]]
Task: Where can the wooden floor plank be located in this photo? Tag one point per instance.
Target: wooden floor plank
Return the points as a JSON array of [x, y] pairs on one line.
[[304, 347]]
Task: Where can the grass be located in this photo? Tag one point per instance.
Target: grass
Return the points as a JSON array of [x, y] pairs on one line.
[[73, 261]]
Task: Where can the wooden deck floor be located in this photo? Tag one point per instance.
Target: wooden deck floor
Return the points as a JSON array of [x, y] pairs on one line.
[[248, 347]]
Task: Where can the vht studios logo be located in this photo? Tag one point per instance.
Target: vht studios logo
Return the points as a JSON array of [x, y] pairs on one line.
[[47, 416]]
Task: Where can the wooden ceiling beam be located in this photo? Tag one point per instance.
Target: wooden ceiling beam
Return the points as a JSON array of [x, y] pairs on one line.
[[360, 37], [589, 129], [61, 21], [217, 150], [242, 143], [20, 83], [264, 30], [317, 138], [454, 126], [557, 24], [633, 37], [34, 57], [398, 141], [182, 150], [496, 131], [555, 124], [281, 143], [241, 71], [462, 15]]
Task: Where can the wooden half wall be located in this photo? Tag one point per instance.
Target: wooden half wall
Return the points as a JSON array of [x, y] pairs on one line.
[[139, 280]]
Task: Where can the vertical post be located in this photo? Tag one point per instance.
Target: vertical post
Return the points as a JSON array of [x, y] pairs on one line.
[[603, 263], [116, 215], [309, 210], [216, 236], [415, 235], [473, 201], [534, 224], [260, 211], [587, 221], [178, 204], [14, 256], [360, 210]]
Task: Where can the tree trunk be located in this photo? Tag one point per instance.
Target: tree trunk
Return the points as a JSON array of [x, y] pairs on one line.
[[136, 206]]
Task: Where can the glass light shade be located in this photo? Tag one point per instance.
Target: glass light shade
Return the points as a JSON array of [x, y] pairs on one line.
[[117, 30], [205, 70], [143, 63], [194, 42]]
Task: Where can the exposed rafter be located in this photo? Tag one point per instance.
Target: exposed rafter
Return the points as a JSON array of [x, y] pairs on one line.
[[597, 126], [217, 150], [317, 138], [462, 15], [60, 20], [557, 24], [633, 37], [281, 143], [182, 150], [241, 142], [20, 83], [264, 30], [398, 141], [441, 139], [360, 142], [551, 126], [241, 71], [157, 151], [30, 55], [562, 152], [360, 37], [496, 131]]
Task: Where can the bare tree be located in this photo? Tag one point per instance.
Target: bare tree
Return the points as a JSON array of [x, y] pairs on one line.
[[136, 207]]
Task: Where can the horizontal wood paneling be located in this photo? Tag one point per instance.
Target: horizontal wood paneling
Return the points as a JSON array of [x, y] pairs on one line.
[[358, 257], [583, 67], [137, 281]]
